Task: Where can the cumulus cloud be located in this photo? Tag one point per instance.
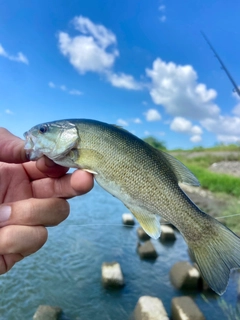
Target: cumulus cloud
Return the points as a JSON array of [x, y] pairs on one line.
[[196, 138], [182, 125], [227, 128], [123, 80], [175, 87], [94, 50], [152, 115], [122, 123], [20, 57], [64, 88]]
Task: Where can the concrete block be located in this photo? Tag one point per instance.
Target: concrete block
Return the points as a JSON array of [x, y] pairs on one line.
[[112, 274], [150, 308], [167, 234], [147, 250], [45, 312], [142, 235], [185, 276], [128, 219], [184, 308]]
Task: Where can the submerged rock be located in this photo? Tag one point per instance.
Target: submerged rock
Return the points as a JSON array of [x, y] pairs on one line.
[[45, 312], [112, 274], [185, 276], [142, 235], [150, 308], [167, 234], [147, 250], [128, 219], [184, 308]]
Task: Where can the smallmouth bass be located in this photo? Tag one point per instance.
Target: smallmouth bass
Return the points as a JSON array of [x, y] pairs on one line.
[[146, 181]]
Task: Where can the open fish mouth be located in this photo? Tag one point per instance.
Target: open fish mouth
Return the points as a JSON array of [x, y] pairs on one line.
[[32, 152]]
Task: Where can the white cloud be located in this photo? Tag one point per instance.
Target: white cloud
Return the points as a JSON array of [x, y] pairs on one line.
[[228, 139], [182, 125], [175, 87], [20, 57], [196, 138], [64, 88], [144, 103], [223, 127], [94, 50], [8, 111], [123, 80], [147, 133], [236, 110], [162, 8], [137, 120], [122, 123], [163, 18], [152, 115], [75, 92]]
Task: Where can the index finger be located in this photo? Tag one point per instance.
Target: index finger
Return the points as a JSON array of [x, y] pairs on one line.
[[11, 148]]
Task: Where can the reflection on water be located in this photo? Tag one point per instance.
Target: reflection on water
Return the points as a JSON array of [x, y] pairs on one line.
[[66, 272]]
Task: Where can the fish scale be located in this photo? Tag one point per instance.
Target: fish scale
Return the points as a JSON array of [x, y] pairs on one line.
[[146, 181]]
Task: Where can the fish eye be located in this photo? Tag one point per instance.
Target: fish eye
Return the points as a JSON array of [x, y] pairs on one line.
[[43, 129]]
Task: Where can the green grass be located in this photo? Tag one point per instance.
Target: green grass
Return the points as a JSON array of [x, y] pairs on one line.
[[216, 182], [219, 147]]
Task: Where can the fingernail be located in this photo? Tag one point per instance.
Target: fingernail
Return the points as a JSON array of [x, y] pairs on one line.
[[5, 212], [49, 163]]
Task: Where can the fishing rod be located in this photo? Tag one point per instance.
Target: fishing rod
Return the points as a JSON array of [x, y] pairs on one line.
[[236, 89]]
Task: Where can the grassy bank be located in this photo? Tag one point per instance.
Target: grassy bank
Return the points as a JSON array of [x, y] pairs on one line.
[[212, 181]]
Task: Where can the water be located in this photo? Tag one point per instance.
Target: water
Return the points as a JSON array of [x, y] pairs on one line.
[[66, 272]]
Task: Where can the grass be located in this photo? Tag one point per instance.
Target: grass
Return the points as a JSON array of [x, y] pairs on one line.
[[216, 182], [219, 147]]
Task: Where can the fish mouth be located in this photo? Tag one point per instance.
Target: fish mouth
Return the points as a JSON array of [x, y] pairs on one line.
[[32, 153]]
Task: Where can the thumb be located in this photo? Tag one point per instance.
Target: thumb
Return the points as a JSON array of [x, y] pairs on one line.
[[11, 148]]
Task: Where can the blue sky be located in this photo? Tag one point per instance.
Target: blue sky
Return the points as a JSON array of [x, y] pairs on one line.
[[140, 64]]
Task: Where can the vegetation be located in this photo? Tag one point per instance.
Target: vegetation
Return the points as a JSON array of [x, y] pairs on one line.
[[160, 145]]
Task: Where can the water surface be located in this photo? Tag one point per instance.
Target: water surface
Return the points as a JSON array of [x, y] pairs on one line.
[[66, 272]]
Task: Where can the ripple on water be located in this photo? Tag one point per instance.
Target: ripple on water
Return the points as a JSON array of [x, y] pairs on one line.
[[67, 270]]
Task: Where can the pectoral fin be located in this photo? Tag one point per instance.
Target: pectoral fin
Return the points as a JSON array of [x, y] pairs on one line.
[[150, 222]]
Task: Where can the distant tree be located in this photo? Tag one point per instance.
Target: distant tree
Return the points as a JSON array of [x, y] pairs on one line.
[[155, 143]]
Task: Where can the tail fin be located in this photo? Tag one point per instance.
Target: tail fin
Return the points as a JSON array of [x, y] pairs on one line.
[[217, 257]]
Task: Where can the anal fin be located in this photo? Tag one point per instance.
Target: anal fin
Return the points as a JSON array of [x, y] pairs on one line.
[[150, 222]]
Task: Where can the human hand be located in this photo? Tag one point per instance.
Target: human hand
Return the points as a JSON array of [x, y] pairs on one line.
[[32, 196]]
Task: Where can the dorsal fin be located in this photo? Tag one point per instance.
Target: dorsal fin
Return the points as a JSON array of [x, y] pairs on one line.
[[182, 173]]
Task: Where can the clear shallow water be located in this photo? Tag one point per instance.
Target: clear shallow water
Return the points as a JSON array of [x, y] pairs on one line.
[[66, 272]]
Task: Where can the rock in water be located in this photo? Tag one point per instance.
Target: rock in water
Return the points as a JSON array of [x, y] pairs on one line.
[[184, 308], [185, 276], [150, 308], [142, 235], [47, 313], [112, 274], [128, 219], [147, 250]]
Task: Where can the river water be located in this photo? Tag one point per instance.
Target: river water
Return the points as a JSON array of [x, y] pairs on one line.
[[66, 272]]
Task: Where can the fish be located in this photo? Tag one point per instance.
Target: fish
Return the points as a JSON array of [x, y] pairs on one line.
[[147, 181]]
